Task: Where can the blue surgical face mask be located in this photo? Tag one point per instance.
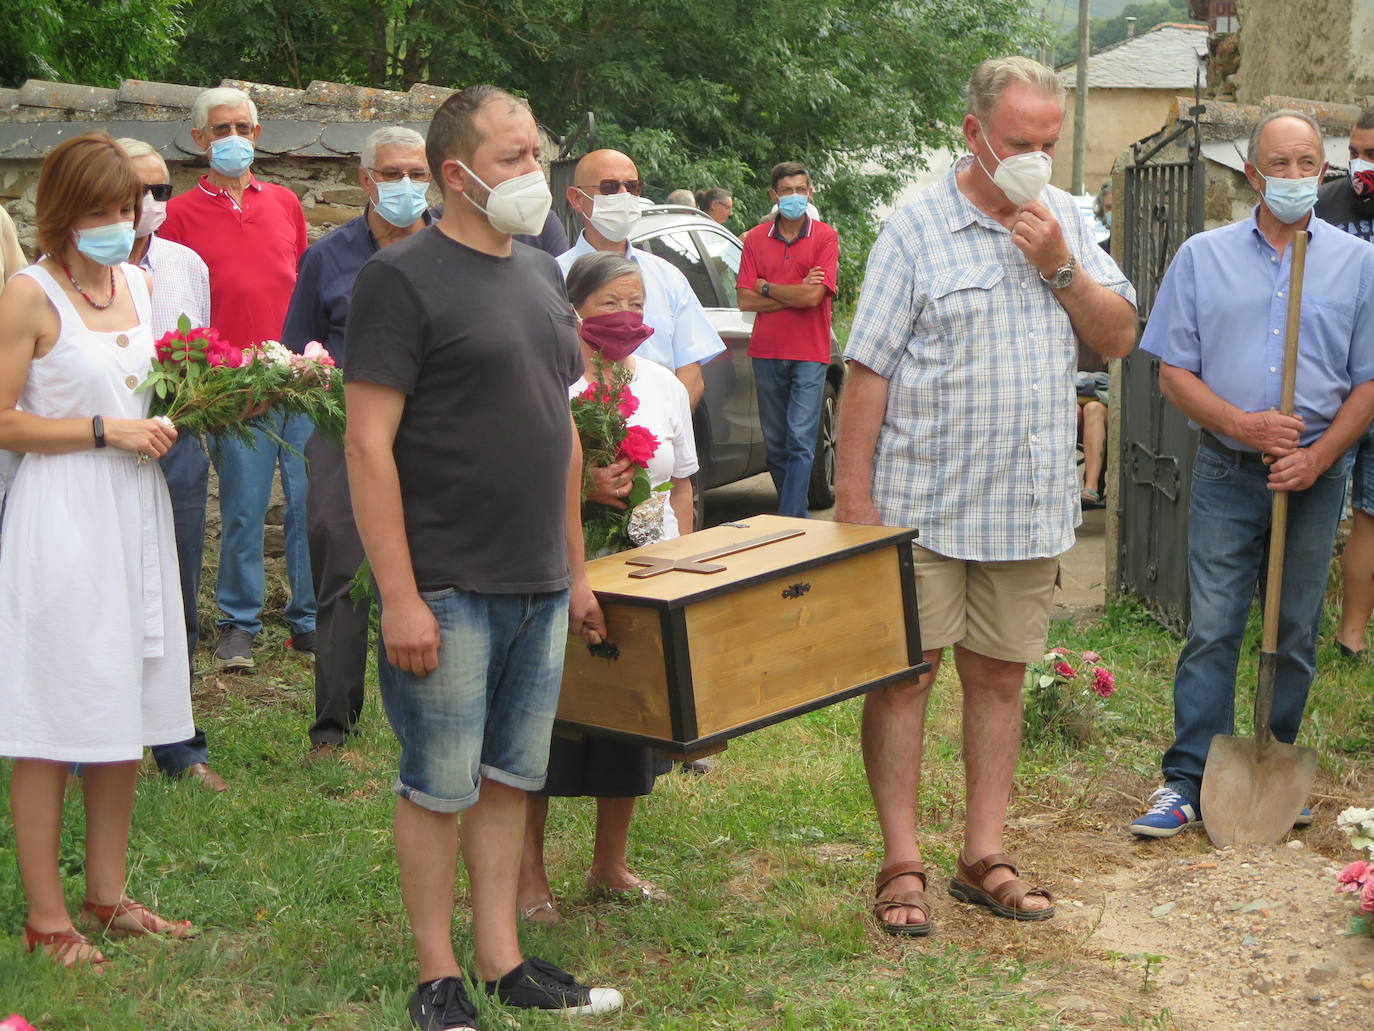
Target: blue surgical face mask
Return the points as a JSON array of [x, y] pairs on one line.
[[793, 205], [108, 244], [401, 203], [1289, 199], [231, 156]]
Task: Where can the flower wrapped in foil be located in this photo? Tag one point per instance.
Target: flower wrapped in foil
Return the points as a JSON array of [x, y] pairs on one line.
[[647, 518]]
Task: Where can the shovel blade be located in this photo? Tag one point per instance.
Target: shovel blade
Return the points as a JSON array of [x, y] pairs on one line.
[[1252, 791]]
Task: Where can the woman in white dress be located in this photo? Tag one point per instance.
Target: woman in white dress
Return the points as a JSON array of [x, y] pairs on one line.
[[602, 287], [90, 602]]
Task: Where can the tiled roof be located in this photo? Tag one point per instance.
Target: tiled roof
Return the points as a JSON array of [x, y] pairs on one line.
[[1166, 57]]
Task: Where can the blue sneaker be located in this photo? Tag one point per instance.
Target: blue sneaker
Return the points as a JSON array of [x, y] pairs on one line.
[[1168, 813], [1304, 818]]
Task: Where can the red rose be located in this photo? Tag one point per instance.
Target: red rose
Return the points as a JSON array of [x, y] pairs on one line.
[[1103, 682], [627, 403], [638, 446], [1065, 670]]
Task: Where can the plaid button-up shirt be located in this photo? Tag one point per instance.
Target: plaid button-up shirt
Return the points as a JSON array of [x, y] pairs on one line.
[[977, 447]]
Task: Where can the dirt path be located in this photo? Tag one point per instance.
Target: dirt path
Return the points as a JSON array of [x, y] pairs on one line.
[[1252, 938]]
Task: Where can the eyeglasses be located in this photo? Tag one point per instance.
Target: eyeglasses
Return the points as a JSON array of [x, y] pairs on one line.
[[392, 175], [610, 187], [159, 191], [223, 129]]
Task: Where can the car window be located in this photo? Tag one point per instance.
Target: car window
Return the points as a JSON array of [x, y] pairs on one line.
[[723, 254], [678, 249]]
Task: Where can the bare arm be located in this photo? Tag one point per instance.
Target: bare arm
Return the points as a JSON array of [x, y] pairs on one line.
[[1102, 319], [863, 405], [808, 293], [680, 500], [28, 329], [584, 613], [690, 377], [1267, 432], [410, 632]]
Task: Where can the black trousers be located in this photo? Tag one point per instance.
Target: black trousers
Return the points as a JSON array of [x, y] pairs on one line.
[[341, 628]]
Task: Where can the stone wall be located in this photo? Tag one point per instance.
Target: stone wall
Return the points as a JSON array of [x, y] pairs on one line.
[[1323, 49]]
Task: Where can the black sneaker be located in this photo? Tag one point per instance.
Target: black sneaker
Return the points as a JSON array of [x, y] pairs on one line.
[[234, 653], [539, 985], [442, 1005], [302, 644]]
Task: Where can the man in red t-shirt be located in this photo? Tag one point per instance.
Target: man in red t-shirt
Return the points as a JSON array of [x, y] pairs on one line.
[[251, 236], [787, 275]]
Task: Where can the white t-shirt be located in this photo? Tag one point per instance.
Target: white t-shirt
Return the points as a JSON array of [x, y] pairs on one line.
[[666, 412]]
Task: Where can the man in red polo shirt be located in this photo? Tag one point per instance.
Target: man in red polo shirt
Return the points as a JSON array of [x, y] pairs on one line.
[[251, 235], [787, 275]]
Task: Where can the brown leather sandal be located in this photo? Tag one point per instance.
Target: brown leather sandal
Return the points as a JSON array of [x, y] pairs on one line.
[[142, 920], [1006, 899], [886, 901], [59, 945]]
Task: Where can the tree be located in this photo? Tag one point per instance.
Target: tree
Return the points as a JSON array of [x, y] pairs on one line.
[[95, 42], [1106, 31], [699, 92]]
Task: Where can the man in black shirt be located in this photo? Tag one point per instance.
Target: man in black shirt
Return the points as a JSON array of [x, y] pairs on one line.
[[465, 473], [1349, 204]]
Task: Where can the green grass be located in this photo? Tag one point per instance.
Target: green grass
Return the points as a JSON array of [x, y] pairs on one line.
[[769, 858]]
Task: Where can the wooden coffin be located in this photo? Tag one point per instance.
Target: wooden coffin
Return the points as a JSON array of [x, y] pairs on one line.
[[694, 659]]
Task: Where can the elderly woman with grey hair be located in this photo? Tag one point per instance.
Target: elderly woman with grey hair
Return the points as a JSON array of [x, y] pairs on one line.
[[608, 293]]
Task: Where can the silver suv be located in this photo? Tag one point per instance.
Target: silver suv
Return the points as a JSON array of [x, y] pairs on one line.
[[729, 440]]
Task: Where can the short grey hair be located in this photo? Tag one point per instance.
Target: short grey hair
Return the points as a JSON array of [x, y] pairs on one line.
[[221, 96], [684, 197], [1252, 151], [991, 78], [138, 149], [390, 136], [591, 272]]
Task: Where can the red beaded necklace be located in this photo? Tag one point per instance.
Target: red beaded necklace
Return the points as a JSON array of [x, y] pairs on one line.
[[90, 300]]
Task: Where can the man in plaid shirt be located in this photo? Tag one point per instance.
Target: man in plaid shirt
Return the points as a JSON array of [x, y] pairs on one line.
[[958, 419]]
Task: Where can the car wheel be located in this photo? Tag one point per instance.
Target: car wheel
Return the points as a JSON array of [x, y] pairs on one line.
[[822, 492]]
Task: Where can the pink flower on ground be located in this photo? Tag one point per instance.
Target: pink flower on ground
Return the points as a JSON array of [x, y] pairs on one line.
[[1091, 657], [1367, 897], [14, 1022], [1059, 651], [1354, 876], [1103, 681], [1065, 670]]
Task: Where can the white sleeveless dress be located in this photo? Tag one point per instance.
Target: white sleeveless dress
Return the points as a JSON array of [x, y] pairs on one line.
[[93, 660]]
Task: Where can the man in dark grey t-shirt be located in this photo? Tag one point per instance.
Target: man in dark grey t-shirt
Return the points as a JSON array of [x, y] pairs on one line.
[[466, 473]]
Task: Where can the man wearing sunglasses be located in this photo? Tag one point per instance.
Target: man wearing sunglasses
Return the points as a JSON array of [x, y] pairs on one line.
[[182, 287], [251, 236], [396, 178], [605, 192]]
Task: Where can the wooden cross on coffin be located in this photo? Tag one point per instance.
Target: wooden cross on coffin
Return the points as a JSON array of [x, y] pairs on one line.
[[700, 563]]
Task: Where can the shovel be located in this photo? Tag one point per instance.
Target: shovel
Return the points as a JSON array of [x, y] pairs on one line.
[[1254, 788]]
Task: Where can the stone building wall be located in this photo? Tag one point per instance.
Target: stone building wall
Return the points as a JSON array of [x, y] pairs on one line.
[[1322, 49], [311, 138]]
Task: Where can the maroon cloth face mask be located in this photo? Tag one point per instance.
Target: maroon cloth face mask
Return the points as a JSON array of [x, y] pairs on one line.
[[616, 335]]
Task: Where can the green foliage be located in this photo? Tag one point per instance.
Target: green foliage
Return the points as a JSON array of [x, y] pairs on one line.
[[1105, 31], [95, 42], [699, 92]]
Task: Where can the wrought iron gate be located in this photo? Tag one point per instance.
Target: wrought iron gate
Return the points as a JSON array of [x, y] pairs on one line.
[[1161, 207]]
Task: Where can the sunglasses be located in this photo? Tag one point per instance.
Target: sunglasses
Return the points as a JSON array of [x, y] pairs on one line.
[[610, 187], [159, 191]]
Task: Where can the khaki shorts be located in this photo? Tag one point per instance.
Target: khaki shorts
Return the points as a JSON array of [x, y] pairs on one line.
[[997, 609]]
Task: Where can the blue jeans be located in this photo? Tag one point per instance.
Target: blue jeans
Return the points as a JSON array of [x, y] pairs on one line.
[[187, 471], [790, 396], [487, 710], [245, 488], [1228, 532]]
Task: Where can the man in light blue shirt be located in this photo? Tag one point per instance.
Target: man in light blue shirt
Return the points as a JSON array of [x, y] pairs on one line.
[[1218, 328], [605, 192]]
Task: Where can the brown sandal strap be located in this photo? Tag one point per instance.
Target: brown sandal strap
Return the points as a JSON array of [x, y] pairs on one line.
[[975, 872], [901, 868], [1009, 893], [58, 944], [139, 913]]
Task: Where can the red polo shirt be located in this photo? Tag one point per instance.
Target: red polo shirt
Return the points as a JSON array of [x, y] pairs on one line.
[[252, 250], [798, 334]]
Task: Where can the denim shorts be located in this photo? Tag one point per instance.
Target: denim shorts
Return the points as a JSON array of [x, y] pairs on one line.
[[487, 710], [1362, 474]]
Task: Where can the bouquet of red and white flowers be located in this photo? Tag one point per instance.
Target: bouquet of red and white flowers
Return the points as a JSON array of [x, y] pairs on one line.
[[204, 384], [601, 414]]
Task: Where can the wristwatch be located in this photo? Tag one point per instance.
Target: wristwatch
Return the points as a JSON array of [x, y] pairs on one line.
[[98, 430], [1062, 276], [764, 289]]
